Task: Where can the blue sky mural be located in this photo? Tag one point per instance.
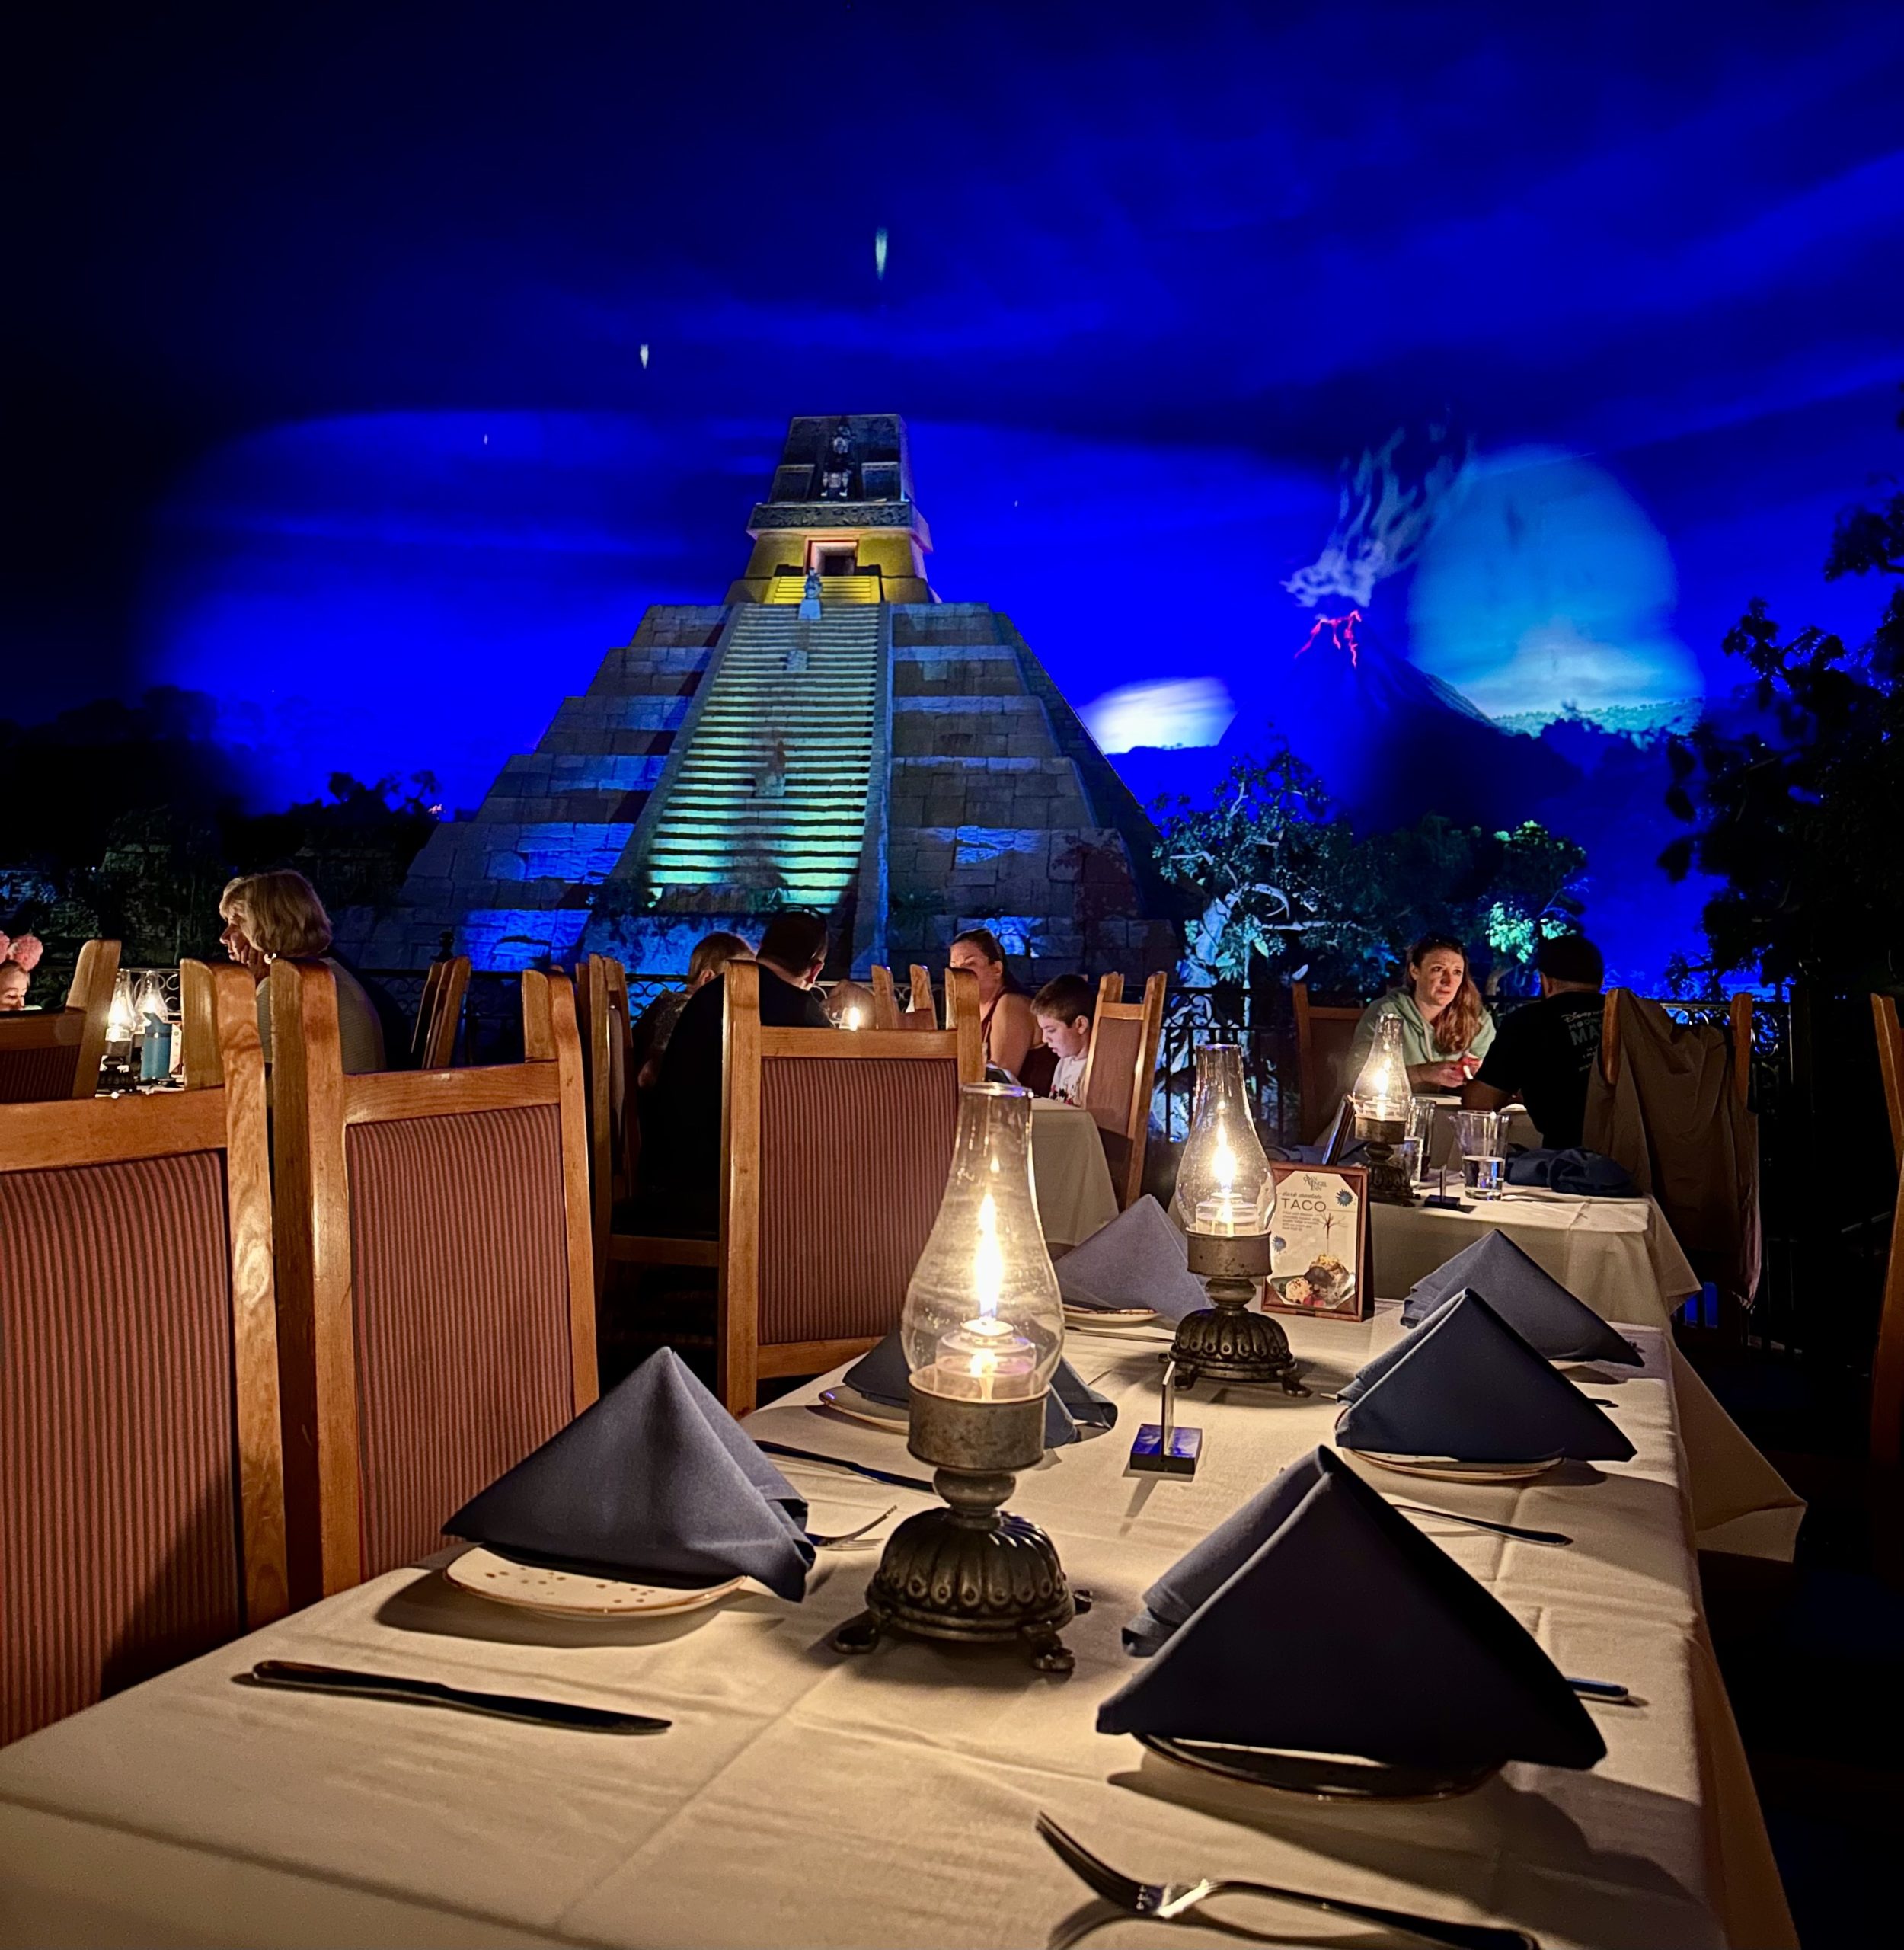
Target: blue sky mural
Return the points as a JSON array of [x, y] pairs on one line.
[[373, 369]]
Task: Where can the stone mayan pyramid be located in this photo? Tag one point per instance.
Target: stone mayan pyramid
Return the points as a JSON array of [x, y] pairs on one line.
[[830, 736]]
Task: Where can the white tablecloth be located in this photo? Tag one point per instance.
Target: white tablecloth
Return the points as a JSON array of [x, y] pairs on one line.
[[1617, 1254], [1075, 1193], [804, 1798]]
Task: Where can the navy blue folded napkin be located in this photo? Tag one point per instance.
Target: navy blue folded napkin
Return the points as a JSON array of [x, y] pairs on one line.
[[881, 1375], [1197, 1575], [1527, 1297], [1467, 1385], [1139, 1260], [1365, 1377], [1584, 1174], [656, 1482], [1257, 1664]]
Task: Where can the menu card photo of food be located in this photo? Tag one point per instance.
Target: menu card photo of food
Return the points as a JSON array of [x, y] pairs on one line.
[[1319, 1258]]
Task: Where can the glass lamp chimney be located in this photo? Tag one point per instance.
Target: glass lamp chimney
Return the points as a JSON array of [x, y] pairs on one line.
[[1382, 1092], [983, 1321], [1224, 1184]]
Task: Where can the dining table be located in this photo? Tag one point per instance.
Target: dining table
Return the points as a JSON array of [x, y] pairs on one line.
[[1070, 1173], [800, 1796]]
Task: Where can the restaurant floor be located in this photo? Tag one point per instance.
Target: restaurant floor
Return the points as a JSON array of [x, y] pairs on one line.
[[1813, 1653]]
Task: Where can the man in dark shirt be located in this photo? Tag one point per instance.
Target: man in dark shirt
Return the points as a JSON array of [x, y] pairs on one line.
[[1544, 1053], [680, 1168]]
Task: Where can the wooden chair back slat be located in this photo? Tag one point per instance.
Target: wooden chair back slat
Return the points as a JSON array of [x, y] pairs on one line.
[[1324, 1036], [1120, 1068], [169, 1413], [886, 1002], [322, 1223], [608, 1051], [1890, 1066], [833, 1162], [439, 1014]]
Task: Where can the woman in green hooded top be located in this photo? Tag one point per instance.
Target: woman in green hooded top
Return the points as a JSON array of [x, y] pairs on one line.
[[1445, 1027]]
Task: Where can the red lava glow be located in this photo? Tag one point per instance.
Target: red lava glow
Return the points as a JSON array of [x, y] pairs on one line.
[[1342, 633]]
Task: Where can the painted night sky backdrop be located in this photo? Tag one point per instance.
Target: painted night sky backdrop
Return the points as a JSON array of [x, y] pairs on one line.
[[328, 399]]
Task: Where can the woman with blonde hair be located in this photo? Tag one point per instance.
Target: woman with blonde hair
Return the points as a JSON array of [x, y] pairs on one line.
[[266, 915], [1445, 1027]]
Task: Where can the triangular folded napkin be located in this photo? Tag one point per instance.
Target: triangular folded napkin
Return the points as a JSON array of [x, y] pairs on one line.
[[1139, 1260], [1255, 1664], [1365, 1377], [656, 1482], [881, 1375], [1467, 1385], [1527, 1297]]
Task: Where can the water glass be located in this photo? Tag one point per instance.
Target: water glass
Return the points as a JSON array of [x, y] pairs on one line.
[[1483, 1153], [1408, 1158], [1421, 1135]]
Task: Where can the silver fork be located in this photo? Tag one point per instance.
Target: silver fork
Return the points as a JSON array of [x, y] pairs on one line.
[[841, 1539], [1170, 1902]]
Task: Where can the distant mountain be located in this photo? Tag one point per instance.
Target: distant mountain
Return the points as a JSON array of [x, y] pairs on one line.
[[1390, 741]]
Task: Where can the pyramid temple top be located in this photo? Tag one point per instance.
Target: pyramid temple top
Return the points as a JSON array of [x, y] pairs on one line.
[[841, 507]]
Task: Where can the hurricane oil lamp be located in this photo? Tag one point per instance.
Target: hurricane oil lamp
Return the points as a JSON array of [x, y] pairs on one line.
[[121, 1018], [1379, 1104], [1225, 1195], [982, 1331]]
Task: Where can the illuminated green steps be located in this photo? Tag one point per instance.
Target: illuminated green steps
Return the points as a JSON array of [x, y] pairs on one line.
[[768, 800]]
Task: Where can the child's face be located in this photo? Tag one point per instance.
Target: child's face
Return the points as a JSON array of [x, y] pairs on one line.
[[1066, 1038], [13, 986]]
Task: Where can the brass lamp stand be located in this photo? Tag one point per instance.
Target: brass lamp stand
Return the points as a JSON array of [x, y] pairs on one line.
[[1224, 1340]]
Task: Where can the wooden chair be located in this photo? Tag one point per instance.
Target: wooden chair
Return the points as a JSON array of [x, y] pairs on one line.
[[1887, 1360], [439, 1014], [1738, 1030], [834, 1157], [1121, 1071], [142, 1496], [435, 1290], [46, 1057], [1325, 1036], [918, 1013]]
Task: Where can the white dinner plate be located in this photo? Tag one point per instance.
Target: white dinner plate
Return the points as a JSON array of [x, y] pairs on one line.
[[577, 1593], [1452, 1469], [1109, 1320], [858, 1408]]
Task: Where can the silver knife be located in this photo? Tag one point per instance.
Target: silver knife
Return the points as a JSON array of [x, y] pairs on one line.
[[296, 1676]]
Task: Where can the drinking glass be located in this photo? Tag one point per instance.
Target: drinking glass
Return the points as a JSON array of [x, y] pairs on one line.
[[1483, 1155], [1421, 1135]]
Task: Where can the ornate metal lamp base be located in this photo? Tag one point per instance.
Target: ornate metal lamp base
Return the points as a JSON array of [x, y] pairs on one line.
[[1389, 1184], [1224, 1340], [969, 1572]]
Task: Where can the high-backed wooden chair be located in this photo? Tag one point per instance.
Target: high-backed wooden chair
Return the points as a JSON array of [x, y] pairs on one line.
[[1739, 1017], [834, 1156], [1120, 1070], [1325, 1037], [1887, 1362], [142, 1498], [917, 1012], [439, 1014], [46, 1057], [436, 1288]]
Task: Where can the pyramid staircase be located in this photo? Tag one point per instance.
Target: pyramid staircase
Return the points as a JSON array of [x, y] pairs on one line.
[[767, 805]]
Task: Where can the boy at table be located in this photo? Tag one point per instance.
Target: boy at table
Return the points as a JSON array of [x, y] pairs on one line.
[[1544, 1053], [1062, 1009]]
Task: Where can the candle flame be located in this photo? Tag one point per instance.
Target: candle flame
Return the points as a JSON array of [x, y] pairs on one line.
[[852, 1015], [1223, 1166], [988, 1262]]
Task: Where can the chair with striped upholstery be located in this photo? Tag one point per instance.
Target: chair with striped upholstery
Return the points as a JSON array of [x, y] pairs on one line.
[[436, 1296], [834, 1161], [440, 1014], [1119, 1070], [142, 1500], [44, 1057]]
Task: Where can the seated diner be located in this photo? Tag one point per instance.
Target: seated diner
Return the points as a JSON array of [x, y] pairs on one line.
[[269, 915], [1063, 1009], [1446, 1028], [1008, 1029], [1544, 1053]]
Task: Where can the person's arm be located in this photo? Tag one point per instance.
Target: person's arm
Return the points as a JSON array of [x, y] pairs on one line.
[[1479, 1096], [1014, 1031]]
